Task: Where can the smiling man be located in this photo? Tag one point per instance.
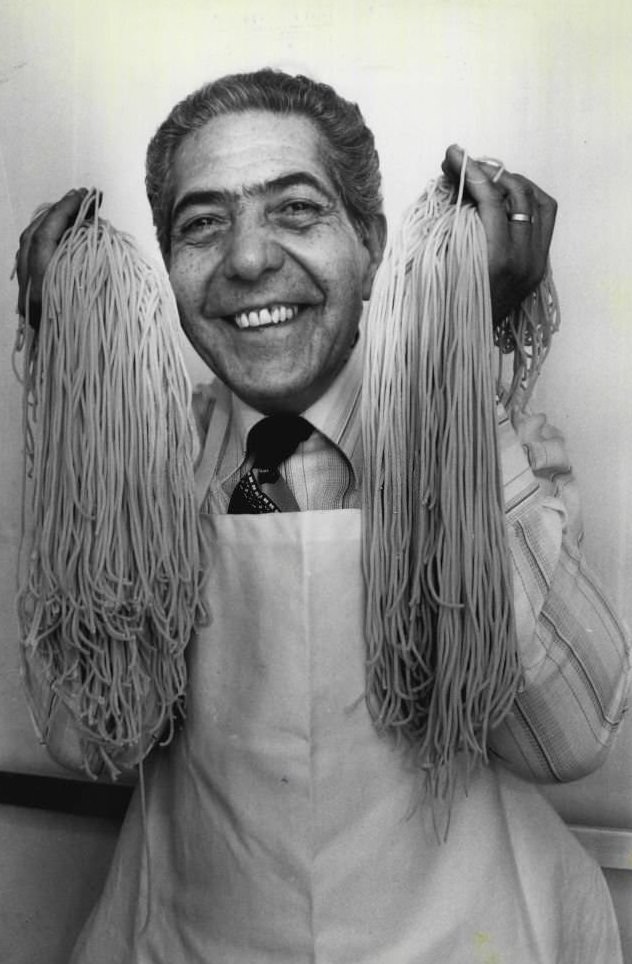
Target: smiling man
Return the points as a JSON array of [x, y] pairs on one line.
[[268, 270], [279, 826]]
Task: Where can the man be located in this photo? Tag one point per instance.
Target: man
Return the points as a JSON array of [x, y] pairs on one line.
[[279, 826]]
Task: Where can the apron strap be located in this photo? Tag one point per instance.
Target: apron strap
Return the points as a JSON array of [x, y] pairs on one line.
[[206, 482]]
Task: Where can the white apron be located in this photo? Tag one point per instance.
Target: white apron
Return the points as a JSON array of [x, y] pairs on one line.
[[281, 829]]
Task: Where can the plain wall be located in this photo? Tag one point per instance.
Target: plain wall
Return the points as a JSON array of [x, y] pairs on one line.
[[52, 870], [543, 85]]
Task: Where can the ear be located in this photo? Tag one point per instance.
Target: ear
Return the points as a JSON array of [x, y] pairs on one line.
[[374, 240]]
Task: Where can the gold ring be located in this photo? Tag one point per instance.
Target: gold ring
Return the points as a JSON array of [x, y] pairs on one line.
[[524, 218]]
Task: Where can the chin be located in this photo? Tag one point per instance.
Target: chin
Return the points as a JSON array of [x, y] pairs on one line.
[[278, 396]]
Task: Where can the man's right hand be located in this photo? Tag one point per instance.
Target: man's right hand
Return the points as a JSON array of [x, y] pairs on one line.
[[38, 243]]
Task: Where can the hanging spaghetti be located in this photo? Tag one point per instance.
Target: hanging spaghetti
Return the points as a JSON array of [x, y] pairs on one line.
[[443, 666], [109, 592]]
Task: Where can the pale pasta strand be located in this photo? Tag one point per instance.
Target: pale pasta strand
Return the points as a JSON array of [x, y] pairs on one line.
[[111, 570], [442, 664]]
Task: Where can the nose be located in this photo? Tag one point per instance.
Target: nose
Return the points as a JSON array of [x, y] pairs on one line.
[[251, 249]]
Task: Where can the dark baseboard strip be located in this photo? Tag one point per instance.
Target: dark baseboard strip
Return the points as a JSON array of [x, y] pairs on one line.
[[77, 797]]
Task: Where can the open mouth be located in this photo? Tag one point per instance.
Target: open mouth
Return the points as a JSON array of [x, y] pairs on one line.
[[263, 317]]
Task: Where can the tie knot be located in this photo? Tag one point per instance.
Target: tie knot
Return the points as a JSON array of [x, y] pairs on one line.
[[273, 439]]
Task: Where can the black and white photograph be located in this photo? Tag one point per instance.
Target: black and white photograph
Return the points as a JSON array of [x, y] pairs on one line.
[[316, 482]]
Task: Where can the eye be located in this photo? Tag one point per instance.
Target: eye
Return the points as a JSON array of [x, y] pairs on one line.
[[203, 222], [300, 207], [201, 227], [299, 212]]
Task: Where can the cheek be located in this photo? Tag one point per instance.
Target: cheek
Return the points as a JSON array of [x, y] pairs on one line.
[[354, 274], [179, 285], [186, 277], [350, 292]]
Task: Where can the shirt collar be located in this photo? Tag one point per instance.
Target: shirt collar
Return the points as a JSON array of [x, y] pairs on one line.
[[336, 415]]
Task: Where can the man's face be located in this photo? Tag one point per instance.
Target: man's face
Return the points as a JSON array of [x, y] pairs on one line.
[[268, 271]]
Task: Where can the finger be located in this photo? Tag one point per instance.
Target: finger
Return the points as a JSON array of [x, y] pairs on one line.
[[517, 251], [39, 242], [22, 255], [46, 238], [488, 195], [519, 193], [481, 177], [547, 212], [52, 221], [486, 174], [524, 227], [522, 196], [531, 219]]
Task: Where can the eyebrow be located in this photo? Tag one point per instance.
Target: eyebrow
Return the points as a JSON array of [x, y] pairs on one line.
[[295, 179]]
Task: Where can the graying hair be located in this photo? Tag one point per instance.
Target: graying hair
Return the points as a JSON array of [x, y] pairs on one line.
[[351, 158]]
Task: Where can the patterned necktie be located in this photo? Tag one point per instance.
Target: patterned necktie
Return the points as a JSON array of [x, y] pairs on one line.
[[270, 442]]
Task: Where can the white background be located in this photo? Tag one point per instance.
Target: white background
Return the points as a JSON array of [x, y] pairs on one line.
[[543, 85]]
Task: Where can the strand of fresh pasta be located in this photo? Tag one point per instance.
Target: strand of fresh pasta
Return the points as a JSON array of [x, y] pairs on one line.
[[442, 663], [526, 336], [109, 592]]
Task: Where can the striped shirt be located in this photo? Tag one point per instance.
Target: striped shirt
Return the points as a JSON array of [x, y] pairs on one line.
[[575, 654]]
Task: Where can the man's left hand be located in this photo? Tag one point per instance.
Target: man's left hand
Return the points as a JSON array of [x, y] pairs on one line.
[[517, 250]]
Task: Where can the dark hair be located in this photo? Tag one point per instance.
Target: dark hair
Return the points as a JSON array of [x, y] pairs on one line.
[[351, 159]]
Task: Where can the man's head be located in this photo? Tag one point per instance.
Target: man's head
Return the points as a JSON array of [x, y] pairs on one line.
[[351, 158], [271, 231]]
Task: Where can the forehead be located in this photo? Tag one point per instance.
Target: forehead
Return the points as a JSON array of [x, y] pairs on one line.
[[235, 151]]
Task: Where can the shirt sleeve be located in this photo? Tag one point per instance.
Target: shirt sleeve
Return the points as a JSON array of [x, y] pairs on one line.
[[574, 650]]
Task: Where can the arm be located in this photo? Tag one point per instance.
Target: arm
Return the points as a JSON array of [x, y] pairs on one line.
[[574, 651]]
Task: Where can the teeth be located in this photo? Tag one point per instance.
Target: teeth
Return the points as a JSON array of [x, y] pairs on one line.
[[266, 316]]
